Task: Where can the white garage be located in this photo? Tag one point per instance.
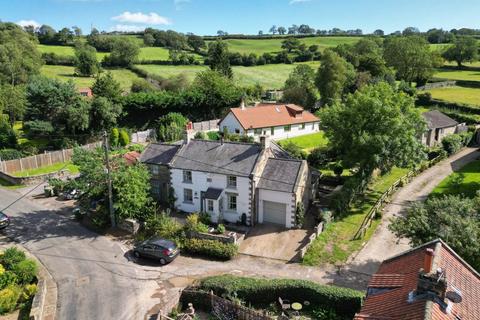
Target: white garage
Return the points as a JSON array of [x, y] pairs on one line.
[[274, 212]]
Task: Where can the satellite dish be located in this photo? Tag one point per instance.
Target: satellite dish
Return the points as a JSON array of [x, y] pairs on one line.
[[454, 296]]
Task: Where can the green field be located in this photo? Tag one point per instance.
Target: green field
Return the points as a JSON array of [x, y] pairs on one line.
[[309, 141], [335, 244], [452, 74], [271, 76], [469, 96], [65, 73], [464, 182], [65, 51], [260, 46]]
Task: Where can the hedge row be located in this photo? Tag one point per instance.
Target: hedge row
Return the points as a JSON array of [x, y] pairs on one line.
[[211, 248], [454, 142], [265, 291]]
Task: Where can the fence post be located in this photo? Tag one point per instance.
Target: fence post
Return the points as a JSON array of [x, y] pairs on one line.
[[36, 162], [21, 164], [50, 158], [63, 155]]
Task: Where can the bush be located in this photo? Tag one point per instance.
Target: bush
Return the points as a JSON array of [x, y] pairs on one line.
[[213, 135], [29, 291], [163, 226], [337, 169], [452, 143], [38, 128], [7, 278], [8, 298], [25, 270], [114, 137], [124, 138], [299, 214], [201, 135], [354, 185], [221, 229], [11, 257], [10, 154], [294, 150], [194, 223], [211, 248], [317, 158], [264, 291]]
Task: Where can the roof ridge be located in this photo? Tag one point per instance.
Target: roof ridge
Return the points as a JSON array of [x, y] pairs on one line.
[[284, 159], [229, 142]]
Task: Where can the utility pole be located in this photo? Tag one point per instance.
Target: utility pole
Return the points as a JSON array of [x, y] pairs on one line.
[[109, 179]]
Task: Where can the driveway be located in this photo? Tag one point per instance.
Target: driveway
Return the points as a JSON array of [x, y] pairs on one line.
[[384, 243], [274, 242]]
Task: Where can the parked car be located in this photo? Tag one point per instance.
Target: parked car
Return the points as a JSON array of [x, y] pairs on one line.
[[163, 250], [4, 220]]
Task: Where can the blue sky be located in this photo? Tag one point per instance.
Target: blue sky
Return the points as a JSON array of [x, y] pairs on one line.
[[244, 16]]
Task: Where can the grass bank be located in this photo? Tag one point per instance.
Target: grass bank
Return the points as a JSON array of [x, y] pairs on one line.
[[335, 244], [465, 181], [48, 169], [464, 95]]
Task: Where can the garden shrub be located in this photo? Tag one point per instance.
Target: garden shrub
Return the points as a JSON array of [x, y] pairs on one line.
[[201, 135], [194, 223], [337, 169], [294, 150], [38, 128], [317, 157], [8, 298], [171, 127], [213, 135], [162, 225], [25, 270], [11, 257], [124, 138], [452, 143], [114, 137], [353, 186], [299, 214], [10, 154], [29, 291], [221, 229], [211, 248], [265, 291], [7, 278]]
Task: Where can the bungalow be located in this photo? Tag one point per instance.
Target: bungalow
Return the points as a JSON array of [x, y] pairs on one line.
[[439, 125], [231, 181], [427, 282], [278, 121]]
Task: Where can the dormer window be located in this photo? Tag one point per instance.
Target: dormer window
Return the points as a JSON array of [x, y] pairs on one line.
[[232, 182]]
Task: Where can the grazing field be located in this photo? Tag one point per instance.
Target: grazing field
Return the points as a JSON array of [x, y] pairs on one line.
[[309, 141], [464, 182], [271, 76], [64, 73], [65, 51], [453, 74], [469, 96], [260, 46], [335, 244]]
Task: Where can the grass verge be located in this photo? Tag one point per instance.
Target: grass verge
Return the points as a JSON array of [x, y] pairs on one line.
[[465, 181], [48, 169], [335, 244]]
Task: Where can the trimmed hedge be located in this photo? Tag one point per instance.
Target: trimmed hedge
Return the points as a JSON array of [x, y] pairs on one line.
[[265, 291], [211, 248], [454, 142]]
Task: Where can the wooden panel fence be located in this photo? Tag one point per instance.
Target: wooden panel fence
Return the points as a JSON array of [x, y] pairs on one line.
[[367, 221], [41, 160]]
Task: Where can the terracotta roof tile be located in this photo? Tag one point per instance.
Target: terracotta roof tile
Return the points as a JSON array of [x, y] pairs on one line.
[[270, 115]]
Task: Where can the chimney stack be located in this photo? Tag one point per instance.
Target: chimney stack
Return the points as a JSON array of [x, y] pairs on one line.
[[264, 142], [242, 103], [428, 261]]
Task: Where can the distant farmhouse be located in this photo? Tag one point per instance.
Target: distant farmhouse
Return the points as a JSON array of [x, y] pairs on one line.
[[278, 121], [439, 125]]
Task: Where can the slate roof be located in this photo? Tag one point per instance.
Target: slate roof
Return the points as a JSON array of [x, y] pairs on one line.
[[436, 119], [159, 153], [212, 193], [280, 175], [398, 276], [271, 115], [229, 158]]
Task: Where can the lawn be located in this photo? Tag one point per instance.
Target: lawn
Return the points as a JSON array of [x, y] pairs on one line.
[[453, 74], [48, 169], [309, 141], [469, 96], [39, 143], [335, 244], [271, 76], [65, 73], [260, 46], [465, 182]]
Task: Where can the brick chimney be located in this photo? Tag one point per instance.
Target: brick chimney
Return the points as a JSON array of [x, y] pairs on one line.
[[428, 260], [432, 283]]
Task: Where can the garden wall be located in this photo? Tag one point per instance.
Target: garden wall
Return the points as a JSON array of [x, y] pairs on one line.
[[33, 179]]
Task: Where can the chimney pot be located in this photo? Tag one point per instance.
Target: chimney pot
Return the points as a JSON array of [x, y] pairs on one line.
[[427, 264]]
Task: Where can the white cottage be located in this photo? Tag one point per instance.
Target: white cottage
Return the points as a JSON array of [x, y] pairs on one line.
[[277, 121]]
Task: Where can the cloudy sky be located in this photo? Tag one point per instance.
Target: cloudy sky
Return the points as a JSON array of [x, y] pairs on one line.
[[242, 16]]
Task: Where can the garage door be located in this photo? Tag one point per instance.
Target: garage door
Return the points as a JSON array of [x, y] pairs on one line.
[[274, 212]]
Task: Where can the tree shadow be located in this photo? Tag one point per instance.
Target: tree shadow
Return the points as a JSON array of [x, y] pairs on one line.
[[354, 276]]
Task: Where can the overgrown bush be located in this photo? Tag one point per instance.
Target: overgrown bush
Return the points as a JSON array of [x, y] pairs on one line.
[[221, 229], [294, 150], [194, 223], [38, 128], [10, 154], [264, 291], [201, 135], [114, 137], [317, 158], [299, 214], [452, 143], [211, 248], [11, 257], [8, 298], [25, 270], [7, 278], [353, 186], [124, 138], [162, 225]]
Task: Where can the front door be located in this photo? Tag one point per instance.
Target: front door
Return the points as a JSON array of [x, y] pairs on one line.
[[202, 200]]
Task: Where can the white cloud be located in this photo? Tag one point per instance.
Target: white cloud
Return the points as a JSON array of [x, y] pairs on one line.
[[25, 23], [151, 18], [127, 28], [298, 1], [179, 3]]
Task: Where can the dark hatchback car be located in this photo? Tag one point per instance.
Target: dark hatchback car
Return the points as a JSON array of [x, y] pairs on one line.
[[4, 220], [164, 251]]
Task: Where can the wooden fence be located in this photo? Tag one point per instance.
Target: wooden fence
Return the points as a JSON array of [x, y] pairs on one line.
[[367, 221], [316, 232], [41, 160], [209, 125]]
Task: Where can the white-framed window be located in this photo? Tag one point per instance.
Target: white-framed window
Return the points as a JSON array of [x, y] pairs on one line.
[[209, 205], [187, 176], [272, 131], [156, 187], [154, 169], [257, 131], [187, 195], [232, 182], [232, 202], [302, 126], [287, 128]]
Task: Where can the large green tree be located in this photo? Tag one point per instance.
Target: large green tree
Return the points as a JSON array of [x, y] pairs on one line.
[[334, 76], [376, 127], [454, 219], [19, 57], [86, 63], [104, 114], [106, 86], [410, 57], [464, 49], [300, 87], [13, 101], [123, 54], [218, 58]]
